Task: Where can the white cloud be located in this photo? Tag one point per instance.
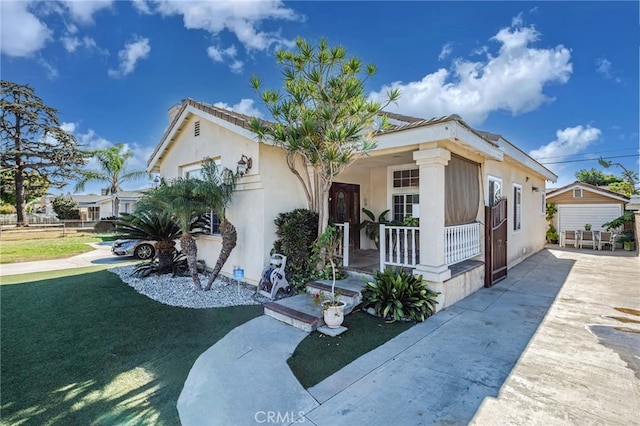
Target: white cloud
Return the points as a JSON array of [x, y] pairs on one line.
[[513, 80], [446, 51], [141, 6], [71, 43], [52, 72], [22, 33], [133, 51], [82, 11], [226, 55], [569, 141], [240, 18], [245, 106], [604, 67]]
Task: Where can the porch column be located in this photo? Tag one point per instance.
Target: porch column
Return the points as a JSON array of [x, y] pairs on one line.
[[432, 265]]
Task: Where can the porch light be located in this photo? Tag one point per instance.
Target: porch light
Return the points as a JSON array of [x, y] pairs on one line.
[[244, 165]]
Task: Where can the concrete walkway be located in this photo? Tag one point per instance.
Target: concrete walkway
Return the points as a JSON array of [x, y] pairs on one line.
[[555, 343], [100, 256]]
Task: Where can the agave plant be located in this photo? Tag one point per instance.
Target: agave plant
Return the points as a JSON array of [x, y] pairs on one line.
[[399, 295], [152, 226]]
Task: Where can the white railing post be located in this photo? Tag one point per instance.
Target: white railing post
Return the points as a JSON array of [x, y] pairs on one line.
[[382, 242], [345, 244]]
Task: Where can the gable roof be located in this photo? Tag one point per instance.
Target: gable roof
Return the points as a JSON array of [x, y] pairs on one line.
[[592, 188], [402, 123]]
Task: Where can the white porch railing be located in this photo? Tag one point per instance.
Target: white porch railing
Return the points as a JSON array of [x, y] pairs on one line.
[[461, 242], [400, 245], [343, 228]]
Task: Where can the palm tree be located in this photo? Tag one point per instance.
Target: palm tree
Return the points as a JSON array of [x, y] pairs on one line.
[[112, 162], [155, 226], [180, 201], [217, 188]]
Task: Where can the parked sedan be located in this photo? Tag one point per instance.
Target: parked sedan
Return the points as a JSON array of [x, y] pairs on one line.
[[141, 249]]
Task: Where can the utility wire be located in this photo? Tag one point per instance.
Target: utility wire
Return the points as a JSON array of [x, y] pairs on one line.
[[590, 153], [591, 159]]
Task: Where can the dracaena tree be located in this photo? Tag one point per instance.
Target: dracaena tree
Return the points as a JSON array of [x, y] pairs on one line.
[[322, 116], [35, 147]]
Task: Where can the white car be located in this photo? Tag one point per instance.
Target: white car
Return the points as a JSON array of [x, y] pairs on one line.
[[141, 249]]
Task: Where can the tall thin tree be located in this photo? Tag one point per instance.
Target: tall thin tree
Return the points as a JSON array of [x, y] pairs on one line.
[[34, 143], [112, 162]]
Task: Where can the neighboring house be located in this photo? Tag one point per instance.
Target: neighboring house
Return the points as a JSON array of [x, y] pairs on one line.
[[96, 207], [440, 170], [580, 203]]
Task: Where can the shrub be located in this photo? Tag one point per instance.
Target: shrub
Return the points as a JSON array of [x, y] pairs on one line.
[[104, 226], [178, 267], [552, 234], [399, 295], [7, 209], [296, 231], [65, 207]]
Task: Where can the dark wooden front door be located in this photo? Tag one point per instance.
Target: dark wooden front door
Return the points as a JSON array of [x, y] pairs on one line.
[[495, 243], [344, 206]]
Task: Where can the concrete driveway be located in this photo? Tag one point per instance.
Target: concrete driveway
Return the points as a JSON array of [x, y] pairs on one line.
[[555, 343]]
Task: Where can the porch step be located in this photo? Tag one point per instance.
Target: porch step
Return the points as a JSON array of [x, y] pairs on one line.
[[301, 312]]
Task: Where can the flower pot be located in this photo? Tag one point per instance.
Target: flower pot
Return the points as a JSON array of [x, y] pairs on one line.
[[629, 245], [334, 315]]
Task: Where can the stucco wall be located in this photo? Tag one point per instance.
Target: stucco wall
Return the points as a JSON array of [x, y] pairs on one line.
[[265, 191], [531, 237]]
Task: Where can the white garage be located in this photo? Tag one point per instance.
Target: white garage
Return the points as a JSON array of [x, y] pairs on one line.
[[571, 217], [580, 203]]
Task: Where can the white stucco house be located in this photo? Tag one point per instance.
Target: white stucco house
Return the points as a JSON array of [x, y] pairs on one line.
[[440, 170], [96, 207]]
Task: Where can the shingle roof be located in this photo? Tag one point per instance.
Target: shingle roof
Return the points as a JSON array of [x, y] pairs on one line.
[[588, 186]]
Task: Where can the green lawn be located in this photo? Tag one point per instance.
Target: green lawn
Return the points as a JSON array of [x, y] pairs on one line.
[[319, 356], [28, 250], [81, 347]]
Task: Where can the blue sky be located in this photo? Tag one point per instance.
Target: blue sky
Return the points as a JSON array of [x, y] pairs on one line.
[[557, 79]]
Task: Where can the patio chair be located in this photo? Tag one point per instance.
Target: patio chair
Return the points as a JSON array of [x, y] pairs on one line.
[[587, 238], [606, 237], [568, 237]]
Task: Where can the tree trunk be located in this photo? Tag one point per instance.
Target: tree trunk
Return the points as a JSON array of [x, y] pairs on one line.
[[190, 249], [21, 205], [165, 249], [229, 240]]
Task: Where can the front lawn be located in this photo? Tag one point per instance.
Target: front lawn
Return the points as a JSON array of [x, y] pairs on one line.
[[319, 356], [28, 250], [81, 347]]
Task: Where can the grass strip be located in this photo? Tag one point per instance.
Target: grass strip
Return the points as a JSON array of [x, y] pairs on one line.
[[49, 248], [319, 356], [81, 347]]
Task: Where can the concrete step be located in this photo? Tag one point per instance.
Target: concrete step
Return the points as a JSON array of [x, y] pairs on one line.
[[300, 311]]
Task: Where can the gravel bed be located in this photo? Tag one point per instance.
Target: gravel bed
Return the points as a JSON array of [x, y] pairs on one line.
[[180, 291]]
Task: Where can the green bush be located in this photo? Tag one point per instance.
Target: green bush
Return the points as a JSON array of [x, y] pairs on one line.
[[65, 207], [296, 232], [399, 295], [552, 234], [104, 226], [7, 209]]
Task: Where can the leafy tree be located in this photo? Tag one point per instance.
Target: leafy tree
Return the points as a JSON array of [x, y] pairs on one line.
[[35, 186], [112, 162], [323, 119], [65, 207], [628, 176], [623, 188], [596, 177], [154, 226], [34, 143], [180, 201], [217, 188]]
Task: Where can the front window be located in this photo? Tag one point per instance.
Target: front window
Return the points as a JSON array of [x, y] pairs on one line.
[[495, 190], [94, 213], [406, 178], [577, 193], [517, 207], [405, 205], [211, 220]]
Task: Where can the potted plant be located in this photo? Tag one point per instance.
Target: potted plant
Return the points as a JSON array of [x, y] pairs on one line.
[[552, 235], [628, 242], [587, 227], [372, 227], [332, 307]]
